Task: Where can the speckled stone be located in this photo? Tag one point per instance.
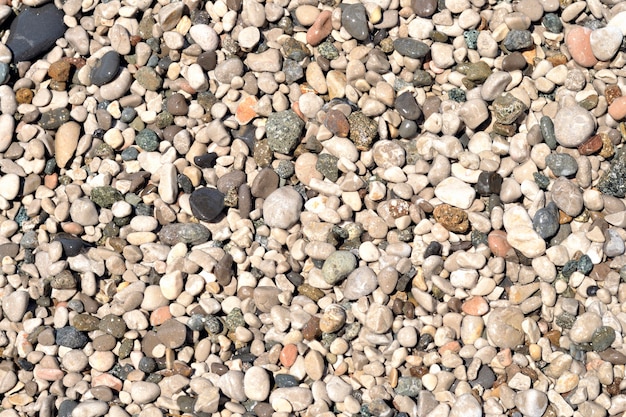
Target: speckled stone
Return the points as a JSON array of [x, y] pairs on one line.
[[363, 130], [517, 40], [562, 164], [283, 130], [69, 337], [337, 266], [105, 196], [411, 47], [507, 109], [188, 233]]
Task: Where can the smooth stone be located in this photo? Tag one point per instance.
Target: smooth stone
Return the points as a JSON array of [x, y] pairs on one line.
[[504, 327], [546, 221], [517, 40], [143, 392], [573, 125], [34, 31], [205, 36], [354, 20], [561, 164], [282, 208], [424, 8], [172, 333], [579, 45], [531, 403], [15, 305], [66, 142], [567, 196], [90, 408], [411, 48], [455, 192], [338, 265], [206, 203], [256, 384], [407, 106], [106, 69], [466, 406], [605, 42], [361, 282], [584, 327]]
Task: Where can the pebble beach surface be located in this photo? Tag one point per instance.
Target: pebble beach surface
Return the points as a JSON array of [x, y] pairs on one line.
[[301, 208]]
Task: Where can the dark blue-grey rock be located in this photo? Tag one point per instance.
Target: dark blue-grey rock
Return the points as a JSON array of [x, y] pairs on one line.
[[562, 164], [72, 245], [34, 31], [106, 69], [411, 47], [354, 20], [70, 337], [188, 233], [206, 203], [614, 244], [546, 221], [485, 378], [66, 408]]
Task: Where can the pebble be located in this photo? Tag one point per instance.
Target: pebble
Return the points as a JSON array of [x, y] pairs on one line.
[[455, 192], [562, 165], [206, 203], [282, 208], [34, 31], [337, 266], [578, 43], [411, 48], [106, 69], [605, 42], [354, 20], [14, 305], [573, 125], [283, 131]]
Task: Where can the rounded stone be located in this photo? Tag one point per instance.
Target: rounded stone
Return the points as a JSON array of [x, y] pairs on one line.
[[338, 265], [282, 208], [573, 125], [206, 203]]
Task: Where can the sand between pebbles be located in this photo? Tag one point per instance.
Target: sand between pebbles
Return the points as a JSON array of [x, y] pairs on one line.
[[242, 208]]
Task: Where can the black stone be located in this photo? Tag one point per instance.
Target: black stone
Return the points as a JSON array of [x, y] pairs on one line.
[[34, 31], [434, 248], [206, 160], [206, 203], [69, 337], [72, 245], [66, 408], [106, 69], [489, 183]]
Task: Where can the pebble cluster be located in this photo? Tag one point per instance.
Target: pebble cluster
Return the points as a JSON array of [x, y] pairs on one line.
[[386, 208]]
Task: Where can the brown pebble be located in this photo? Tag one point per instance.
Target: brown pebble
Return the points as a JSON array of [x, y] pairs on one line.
[[614, 388], [59, 71], [24, 96], [177, 105], [591, 145], [337, 123], [611, 93], [312, 329], [452, 218], [557, 59], [564, 218], [514, 61]]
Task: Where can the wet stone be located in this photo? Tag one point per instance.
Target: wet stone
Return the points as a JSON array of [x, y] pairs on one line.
[[106, 69], [562, 165], [407, 106], [206, 203]]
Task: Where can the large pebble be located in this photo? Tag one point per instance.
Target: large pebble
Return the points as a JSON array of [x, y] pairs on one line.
[[34, 31], [282, 208], [455, 192], [573, 125]]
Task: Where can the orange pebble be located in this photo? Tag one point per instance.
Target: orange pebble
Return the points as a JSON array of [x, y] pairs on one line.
[[475, 306], [288, 355], [160, 316]]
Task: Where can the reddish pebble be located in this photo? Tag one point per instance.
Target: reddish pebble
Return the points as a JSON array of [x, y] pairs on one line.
[[453, 346], [337, 123], [611, 93], [288, 355], [160, 316], [579, 46], [591, 145], [321, 28], [107, 380], [617, 109], [48, 374], [73, 228], [245, 110], [475, 306], [51, 181], [504, 357], [498, 243]]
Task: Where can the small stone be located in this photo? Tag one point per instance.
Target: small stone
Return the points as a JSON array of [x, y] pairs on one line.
[[424, 8], [113, 325], [354, 20], [327, 166], [282, 208], [498, 243], [552, 22], [321, 28], [69, 337], [147, 140], [66, 141], [256, 384], [283, 131], [508, 109], [188, 233], [561, 164], [206, 203], [106, 69], [531, 403], [504, 327], [337, 123], [148, 78], [573, 125], [578, 43], [517, 40], [409, 386], [337, 266], [143, 392], [489, 183], [466, 405], [105, 196], [455, 192], [567, 196], [15, 305], [452, 218], [546, 221], [411, 48], [602, 338]]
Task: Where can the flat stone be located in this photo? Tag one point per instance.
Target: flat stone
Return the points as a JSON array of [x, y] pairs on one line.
[[573, 125], [34, 31]]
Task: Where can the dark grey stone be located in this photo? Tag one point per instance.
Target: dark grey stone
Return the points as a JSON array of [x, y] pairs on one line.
[[106, 69], [34, 31]]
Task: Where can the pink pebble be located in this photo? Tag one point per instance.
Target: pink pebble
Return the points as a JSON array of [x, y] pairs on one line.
[[579, 46], [617, 109], [321, 28]]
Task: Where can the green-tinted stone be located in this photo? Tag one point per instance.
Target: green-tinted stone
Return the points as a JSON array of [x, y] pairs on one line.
[[53, 119], [147, 140], [589, 103], [508, 109], [457, 94], [542, 181], [137, 124], [386, 45], [546, 127], [602, 339], [351, 331], [104, 151], [471, 38], [262, 153], [145, 26], [585, 265], [148, 78], [164, 119], [612, 182], [565, 320], [337, 266], [308, 291], [437, 36], [206, 99], [328, 50], [409, 386], [234, 319], [85, 322], [327, 166], [295, 49], [363, 130], [126, 347], [105, 196], [283, 130], [113, 325], [422, 78], [477, 72]]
